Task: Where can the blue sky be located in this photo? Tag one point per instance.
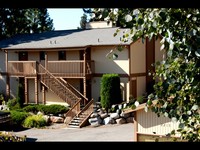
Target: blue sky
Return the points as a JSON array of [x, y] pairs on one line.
[[65, 18]]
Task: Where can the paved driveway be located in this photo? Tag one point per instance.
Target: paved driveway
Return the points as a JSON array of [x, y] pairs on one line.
[[109, 133]]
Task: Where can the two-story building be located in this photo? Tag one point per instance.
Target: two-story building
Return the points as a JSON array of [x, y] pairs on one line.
[[58, 66]]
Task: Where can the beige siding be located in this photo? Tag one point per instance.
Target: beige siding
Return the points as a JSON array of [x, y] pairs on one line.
[[141, 86], [52, 56], [138, 57], [34, 56], [159, 55], [96, 88], [51, 97], [72, 55], [124, 82], [13, 87], [31, 90], [149, 123], [12, 56], [103, 64], [75, 83]]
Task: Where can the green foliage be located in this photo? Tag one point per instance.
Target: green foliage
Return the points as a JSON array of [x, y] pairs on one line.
[[10, 137], [31, 108], [177, 89], [18, 117], [20, 95], [54, 109], [12, 104], [35, 121], [110, 91], [17, 21]]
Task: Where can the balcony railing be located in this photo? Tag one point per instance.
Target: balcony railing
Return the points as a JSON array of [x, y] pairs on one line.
[[57, 68], [22, 68]]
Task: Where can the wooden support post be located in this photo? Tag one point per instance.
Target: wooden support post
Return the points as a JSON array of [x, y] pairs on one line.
[[43, 94], [84, 72], [26, 90], [36, 90], [46, 60], [7, 77]]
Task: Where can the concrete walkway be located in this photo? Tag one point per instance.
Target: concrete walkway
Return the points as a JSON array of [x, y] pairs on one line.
[[109, 133]]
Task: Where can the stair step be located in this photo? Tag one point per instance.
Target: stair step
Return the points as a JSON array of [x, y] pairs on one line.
[[73, 126]]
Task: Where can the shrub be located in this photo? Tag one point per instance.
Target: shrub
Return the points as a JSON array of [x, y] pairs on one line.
[[31, 108], [12, 104], [18, 116], [54, 109], [20, 95], [10, 137], [110, 91], [35, 121]]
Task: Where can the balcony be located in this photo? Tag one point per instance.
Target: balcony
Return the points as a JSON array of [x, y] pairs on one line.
[[67, 69]]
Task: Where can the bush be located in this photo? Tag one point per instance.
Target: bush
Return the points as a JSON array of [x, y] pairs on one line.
[[10, 137], [18, 117], [35, 121], [20, 95], [54, 109], [31, 108], [110, 91], [12, 104]]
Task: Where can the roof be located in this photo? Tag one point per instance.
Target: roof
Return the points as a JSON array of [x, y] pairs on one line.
[[65, 38]]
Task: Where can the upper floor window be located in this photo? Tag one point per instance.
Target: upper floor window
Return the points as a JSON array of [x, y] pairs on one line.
[[42, 55], [23, 56], [61, 55]]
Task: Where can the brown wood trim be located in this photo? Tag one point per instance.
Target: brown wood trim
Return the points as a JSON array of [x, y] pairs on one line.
[[3, 73], [133, 88], [138, 74], [101, 74]]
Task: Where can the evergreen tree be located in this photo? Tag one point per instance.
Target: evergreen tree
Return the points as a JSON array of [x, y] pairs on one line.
[[18, 21]]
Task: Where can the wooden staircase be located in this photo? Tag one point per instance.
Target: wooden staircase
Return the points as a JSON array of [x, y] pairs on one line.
[[80, 109], [56, 86], [81, 119]]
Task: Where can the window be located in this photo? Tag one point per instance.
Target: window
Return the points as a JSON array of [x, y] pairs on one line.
[[23, 56], [62, 55], [42, 55]]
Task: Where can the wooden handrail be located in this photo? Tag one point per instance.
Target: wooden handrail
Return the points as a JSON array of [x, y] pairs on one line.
[[44, 72], [74, 90], [88, 109], [73, 111]]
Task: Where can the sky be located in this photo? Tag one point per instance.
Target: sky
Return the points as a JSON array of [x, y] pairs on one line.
[[65, 18]]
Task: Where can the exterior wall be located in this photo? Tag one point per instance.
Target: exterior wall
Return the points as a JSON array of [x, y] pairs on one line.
[[75, 83], [33, 56], [138, 57], [96, 88], [31, 90], [13, 56], [98, 24], [72, 55], [149, 122], [103, 64], [52, 56], [141, 86]]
